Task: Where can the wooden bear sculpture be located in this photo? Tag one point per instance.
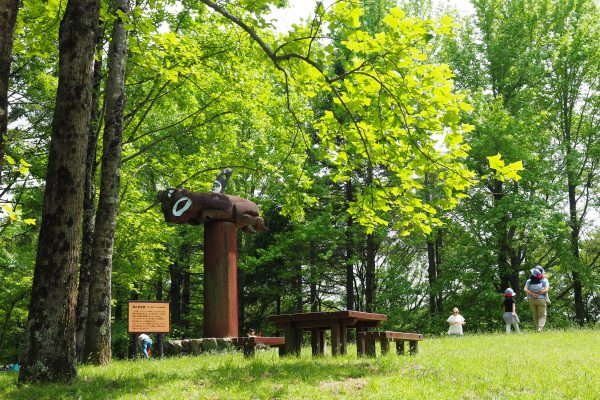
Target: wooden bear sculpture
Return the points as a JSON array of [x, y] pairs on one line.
[[181, 206]]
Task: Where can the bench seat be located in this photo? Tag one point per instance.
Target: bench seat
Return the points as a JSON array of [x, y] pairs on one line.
[[366, 342], [250, 343]]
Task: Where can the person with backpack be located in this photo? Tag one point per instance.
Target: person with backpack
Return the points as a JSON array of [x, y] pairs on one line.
[[537, 287], [510, 311]]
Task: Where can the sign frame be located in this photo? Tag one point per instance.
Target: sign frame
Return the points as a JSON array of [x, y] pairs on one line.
[[139, 320]]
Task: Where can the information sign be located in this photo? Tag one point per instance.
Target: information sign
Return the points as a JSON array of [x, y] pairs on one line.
[[148, 317]]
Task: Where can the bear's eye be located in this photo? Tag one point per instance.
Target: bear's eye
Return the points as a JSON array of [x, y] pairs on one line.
[[181, 206]]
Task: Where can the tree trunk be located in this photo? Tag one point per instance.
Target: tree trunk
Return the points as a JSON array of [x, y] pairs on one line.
[[158, 287], [98, 330], [297, 286], [433, 262], [370, 274], [439, 298], [574, 225], [314, 298], [50, 353], [8, 19], [185, 293], [89, 207], [241, 282], [349, 257], [502, 243], [434, 244], [175, 292]]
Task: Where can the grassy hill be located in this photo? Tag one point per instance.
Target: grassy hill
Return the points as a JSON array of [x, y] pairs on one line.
[[549, 365]]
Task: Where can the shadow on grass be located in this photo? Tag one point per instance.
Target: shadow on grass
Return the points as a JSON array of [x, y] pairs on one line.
[[96, 388], [218, 374]]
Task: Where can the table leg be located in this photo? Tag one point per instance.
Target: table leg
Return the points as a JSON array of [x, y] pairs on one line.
[[293, 340], [360, 345], [385, 345], [343, 340], [400, 347], [414, 347], [370, 347], [335, 339], [317, 341], [360, 340]]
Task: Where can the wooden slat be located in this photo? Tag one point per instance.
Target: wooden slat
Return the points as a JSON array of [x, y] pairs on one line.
[[392, 335], [327, 315], [254, 340], [326, 323]]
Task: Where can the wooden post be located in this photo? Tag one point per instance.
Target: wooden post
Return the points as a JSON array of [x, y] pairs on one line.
[[159, 345], [385, 345], [335, 339], [370, 346], [136, 349], [317, 341], [414, 347], [343, 339], [293, 340], [400, 347], [220, 280]]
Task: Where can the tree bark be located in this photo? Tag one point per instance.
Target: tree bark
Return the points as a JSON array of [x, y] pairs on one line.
[[98, 330], [158, 286], [297, 287], [349, 258], [8, 19], [314, 276], [509, 276], [50, 353], [574, 225], [434, 244], [370, 274], [89, 206], [175, 291]]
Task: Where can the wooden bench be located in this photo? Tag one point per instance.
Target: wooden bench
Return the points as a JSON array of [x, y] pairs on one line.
[[366, 342], [250, 343]]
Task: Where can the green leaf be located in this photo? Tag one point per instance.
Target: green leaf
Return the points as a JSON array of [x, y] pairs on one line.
[[495, 162]]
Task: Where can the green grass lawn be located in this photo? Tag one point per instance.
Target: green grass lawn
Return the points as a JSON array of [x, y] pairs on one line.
[[550, 365]]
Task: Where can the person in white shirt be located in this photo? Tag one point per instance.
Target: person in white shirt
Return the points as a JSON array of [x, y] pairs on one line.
[[456, 322]]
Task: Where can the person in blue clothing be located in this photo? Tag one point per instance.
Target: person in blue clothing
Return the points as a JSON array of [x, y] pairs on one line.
[[537, 287], [146, 343]]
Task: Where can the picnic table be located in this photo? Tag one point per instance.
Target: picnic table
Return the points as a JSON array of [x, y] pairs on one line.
[[318, 322]]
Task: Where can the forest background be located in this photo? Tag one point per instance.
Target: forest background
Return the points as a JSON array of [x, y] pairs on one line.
[[406, 161]]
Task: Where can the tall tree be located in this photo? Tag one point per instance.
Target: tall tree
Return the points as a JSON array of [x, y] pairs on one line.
[[54, 293], [502, 72], [8, 20], [89, 203], [574, 83], [98, 328]]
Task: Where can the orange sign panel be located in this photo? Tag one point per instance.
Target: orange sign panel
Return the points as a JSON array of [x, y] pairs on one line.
[[148, 317]]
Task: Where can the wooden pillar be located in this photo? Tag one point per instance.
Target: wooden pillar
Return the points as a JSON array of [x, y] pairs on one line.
[[293, 340], [317, 341], [414, 347], [159, 346], [220, 280], [343, 339], [400, 347], [385, 345], [336, 339]]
